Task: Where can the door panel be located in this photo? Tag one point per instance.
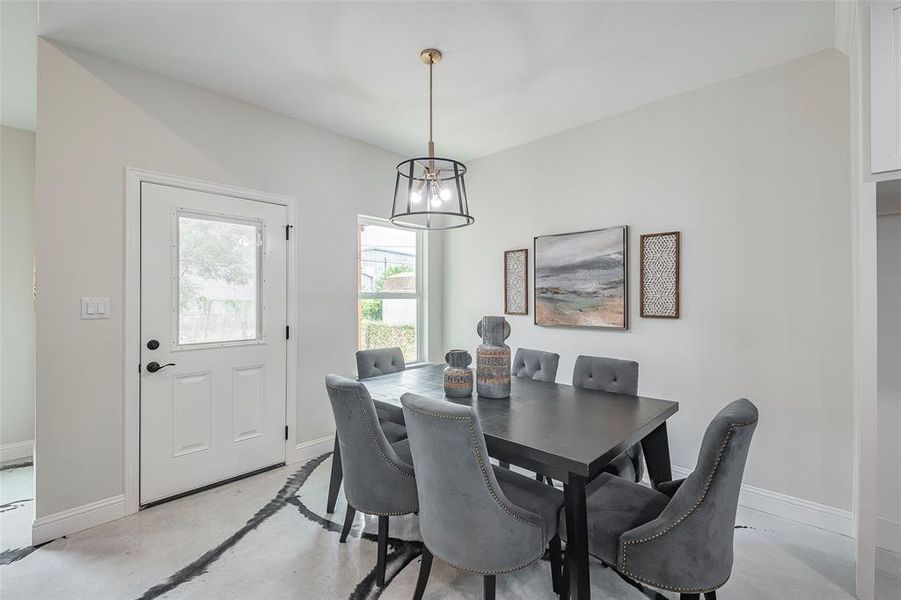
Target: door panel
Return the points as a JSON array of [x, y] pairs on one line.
[[191, 413], [248, 402], [213, 292]]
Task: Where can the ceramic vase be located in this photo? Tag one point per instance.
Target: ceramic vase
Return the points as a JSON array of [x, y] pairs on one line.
[[457, 374], [493, 358]]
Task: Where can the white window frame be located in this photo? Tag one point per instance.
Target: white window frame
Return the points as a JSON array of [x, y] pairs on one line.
[[418, 295]]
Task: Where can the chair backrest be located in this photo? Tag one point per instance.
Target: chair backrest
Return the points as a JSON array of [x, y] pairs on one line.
[[535, 364], [689, 546], [606, 374], [379, 361], [376, 480], [464, 516]]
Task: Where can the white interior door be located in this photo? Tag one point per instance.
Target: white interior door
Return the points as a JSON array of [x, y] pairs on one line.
[[213, 338]]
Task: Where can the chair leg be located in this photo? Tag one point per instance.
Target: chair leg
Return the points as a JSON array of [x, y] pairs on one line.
[[710, 595], [549, 480], [425, 567], [689, 596], [539, 477], [490, 584], [335, 481], [348, 522], [556, 562], [383, 552]]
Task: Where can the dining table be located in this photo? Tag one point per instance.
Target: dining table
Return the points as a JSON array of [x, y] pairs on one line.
[[567, 433]]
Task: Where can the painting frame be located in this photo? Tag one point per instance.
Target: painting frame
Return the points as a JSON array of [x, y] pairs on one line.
[[624, 240], [524, 283], [677, 294]]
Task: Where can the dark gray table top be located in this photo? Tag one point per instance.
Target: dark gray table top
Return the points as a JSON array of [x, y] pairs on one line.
[[551, 427]]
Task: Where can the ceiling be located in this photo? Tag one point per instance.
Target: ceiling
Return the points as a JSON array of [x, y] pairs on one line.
[[512, 71]]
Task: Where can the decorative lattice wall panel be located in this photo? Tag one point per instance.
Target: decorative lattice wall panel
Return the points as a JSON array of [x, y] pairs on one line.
[[516, 282], [660, 275]]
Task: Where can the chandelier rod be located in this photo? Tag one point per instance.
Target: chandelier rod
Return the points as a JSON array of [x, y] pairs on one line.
[[431, 137]]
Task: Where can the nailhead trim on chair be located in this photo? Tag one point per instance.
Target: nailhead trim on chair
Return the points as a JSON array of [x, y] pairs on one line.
[[383, 514], [506, 509], [493, 572], [694, 507]]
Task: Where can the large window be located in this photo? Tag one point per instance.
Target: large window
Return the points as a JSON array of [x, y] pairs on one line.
[[390, 284]]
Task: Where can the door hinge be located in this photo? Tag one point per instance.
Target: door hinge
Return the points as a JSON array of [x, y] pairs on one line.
[[287, 332], [286, 432], [288, 231]]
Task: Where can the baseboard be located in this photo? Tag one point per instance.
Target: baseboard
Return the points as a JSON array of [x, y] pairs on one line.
[[314, 448], [75, 519], [888, 534], [792, 508], [16, 450]]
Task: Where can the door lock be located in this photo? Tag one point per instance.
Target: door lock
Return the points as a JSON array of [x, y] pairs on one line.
[[154, 366], [153, 345]]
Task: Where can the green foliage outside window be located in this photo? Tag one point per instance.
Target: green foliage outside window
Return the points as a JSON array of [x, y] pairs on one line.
[[371, 310]]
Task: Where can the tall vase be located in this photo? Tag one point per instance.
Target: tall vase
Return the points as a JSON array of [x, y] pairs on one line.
[[457, 374], [493, 358]]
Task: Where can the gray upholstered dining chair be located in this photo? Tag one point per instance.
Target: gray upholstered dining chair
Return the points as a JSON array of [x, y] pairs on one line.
[[379, 361], [679, 537], [378, 476], [619, 377], [475, 517], [535, 364], [540, 366]]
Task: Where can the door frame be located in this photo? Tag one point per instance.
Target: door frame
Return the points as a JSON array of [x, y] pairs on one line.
[[131, 314]]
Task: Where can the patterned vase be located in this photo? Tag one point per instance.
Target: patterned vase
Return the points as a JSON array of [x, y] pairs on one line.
[[457, 374], [493, 358]]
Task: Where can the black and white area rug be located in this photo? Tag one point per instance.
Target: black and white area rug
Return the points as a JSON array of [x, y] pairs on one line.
[[269, 537]]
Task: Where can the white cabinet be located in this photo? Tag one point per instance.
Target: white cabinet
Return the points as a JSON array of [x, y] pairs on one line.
[[885, 85]]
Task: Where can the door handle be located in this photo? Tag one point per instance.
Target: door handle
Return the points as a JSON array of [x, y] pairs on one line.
[[154, 366]]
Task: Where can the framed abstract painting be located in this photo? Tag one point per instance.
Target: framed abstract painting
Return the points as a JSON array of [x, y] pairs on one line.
[[581, 279]]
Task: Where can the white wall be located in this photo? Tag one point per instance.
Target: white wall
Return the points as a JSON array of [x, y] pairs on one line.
[[97, 117], [755, 173], [16, 310], [888, 492]]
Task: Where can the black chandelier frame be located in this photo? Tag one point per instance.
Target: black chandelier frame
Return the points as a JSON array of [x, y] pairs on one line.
[[404, 214]]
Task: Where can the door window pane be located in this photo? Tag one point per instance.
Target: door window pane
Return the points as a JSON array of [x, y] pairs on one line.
[[218, 280], [389, 322], [387, 259]]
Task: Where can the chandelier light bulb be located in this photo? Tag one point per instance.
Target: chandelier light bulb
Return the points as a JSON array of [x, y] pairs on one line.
[[415, 197], [445, 194]]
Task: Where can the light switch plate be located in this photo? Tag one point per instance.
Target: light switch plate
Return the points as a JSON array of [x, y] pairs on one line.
[[95, 308]]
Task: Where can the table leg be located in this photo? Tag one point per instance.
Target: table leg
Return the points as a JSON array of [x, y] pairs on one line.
[[335, 481], [656, 455], [577, 537]]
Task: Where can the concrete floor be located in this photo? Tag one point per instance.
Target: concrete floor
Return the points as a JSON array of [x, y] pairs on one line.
[[269, 537]]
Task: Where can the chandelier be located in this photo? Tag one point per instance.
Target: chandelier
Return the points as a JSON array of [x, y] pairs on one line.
[[430, 192]]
